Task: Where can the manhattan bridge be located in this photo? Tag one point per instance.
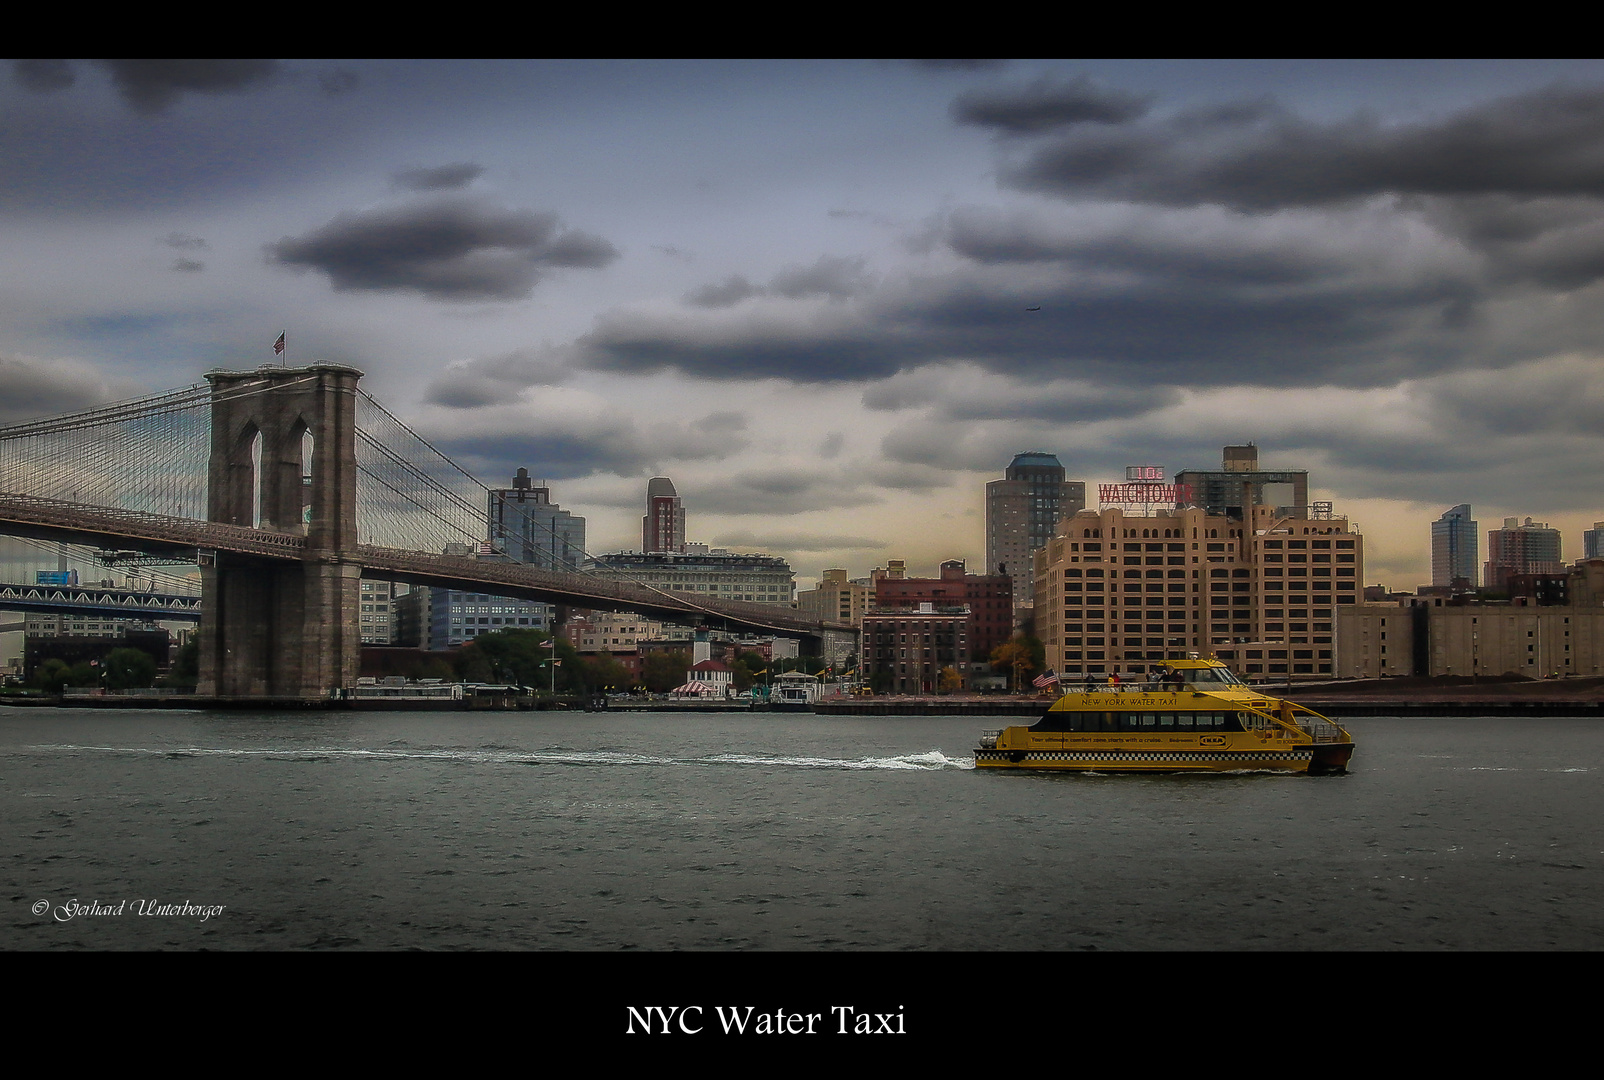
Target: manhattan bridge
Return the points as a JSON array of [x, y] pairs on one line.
[[286, 486]]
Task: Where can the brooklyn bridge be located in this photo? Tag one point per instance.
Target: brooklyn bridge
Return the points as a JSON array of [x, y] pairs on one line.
[[286, 486]]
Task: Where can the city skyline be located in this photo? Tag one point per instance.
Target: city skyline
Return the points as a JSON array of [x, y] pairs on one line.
[[833, 299]]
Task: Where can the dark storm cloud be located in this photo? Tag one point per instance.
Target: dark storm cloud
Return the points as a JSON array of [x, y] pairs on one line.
[[440, 178], [456, 249], [1127, 328], [1045, 105], [151, 86], [1221, 256], [43, 76], [1261, 156], [801, 353]]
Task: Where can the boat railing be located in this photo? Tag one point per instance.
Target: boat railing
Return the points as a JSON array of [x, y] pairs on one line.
[[988, 739], [1319, 728]]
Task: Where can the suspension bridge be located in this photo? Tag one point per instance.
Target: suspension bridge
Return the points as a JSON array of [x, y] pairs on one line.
[[286, 486]]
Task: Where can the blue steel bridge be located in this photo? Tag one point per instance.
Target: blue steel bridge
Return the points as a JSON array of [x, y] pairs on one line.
[[287, 486]]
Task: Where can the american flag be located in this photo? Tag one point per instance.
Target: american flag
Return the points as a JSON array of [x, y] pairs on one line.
[[278, 346], [1045, 679]]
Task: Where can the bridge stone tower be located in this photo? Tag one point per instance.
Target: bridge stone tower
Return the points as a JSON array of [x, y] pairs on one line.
[[283, 459]]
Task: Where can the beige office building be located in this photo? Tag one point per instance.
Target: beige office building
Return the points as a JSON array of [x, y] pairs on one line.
[[836, 599], [1436, 636], [1121, 592]]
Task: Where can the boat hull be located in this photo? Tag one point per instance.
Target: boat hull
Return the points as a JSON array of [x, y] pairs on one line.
[[1304, 759]]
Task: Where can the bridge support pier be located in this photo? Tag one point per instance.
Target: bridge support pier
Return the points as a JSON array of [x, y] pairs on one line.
[[279, 629], [284, 460]]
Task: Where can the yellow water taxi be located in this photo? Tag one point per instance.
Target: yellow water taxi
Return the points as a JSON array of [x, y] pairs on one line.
[[1191, 716]]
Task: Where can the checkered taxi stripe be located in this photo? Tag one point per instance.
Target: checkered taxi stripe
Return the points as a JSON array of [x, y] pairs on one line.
[[1148, 757]]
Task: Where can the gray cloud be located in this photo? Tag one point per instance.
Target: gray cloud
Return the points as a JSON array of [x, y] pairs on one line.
[[188, 266], [783, 491], [1046, 105], [1140, 323], [42, 76], [955, 394], [833, 276], [731, 291], [454, 248], [566, 433], [1259, 156], [48, 387], [496, 380], [838, 278], [712, 438], [151, 86], [440, 178]]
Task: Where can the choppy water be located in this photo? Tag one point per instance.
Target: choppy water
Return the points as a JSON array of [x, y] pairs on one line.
[[709, 832]]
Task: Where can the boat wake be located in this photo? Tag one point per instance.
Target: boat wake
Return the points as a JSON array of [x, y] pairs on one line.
[[929, 761]]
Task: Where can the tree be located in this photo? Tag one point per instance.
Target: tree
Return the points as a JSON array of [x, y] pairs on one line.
[[520, 656], [951, 681], [127, 669], [745, 669], [605, 673], [184, 672], [52, 675], [663, 671], [1020, 655]]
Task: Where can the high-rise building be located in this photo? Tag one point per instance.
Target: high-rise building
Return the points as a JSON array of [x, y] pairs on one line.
[[1593, 541], [1240, 483], [1520, 548], [525, 525], [662, 530], [1022, 511], [1455, 557]]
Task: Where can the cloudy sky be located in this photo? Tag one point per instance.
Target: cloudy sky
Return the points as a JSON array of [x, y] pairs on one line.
[[832, 299]]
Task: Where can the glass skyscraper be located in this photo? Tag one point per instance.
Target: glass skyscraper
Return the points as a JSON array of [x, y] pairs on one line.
[[1455, 553]]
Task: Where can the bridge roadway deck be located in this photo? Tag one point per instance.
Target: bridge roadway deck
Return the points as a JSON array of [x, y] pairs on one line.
[[96, 526]]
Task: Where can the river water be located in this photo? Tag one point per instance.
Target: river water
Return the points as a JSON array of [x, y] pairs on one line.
[[161, 830]]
